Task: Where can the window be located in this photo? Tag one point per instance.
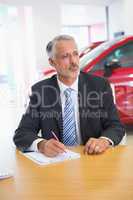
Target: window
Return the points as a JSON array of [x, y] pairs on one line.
[[123, 54]]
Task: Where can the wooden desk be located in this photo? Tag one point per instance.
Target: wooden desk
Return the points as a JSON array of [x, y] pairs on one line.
[[99, 177]]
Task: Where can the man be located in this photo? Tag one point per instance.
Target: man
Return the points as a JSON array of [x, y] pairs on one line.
[[72, 106]]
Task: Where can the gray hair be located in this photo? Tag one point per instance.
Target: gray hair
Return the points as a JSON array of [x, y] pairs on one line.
[[51, 45]]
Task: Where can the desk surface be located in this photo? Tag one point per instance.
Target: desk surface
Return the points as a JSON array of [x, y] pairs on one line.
[[108, 176]]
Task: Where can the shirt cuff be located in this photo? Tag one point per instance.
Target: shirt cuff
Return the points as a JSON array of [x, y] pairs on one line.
[[33, 146], [111, 142]]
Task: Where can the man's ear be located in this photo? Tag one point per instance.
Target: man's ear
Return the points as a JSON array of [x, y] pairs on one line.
[[51, 62]]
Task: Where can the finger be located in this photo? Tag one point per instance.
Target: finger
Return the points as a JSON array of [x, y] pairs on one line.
[[86, 147], [89, 147], [98, 149], [51, 150], [50, 153], [56, 146], [92, 147], [57, 149], [101, 147], [105, 145], [60, 146]]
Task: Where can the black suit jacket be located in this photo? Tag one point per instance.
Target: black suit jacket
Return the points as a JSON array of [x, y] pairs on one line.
[[97, 112]]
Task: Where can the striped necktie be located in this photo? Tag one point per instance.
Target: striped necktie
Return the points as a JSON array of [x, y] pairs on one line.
[[69, 125]]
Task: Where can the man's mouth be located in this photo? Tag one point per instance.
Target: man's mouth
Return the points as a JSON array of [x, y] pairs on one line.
[[74, 68]]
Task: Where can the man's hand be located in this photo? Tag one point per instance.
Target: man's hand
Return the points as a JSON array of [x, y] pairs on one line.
[[51, 147], [96, 146]]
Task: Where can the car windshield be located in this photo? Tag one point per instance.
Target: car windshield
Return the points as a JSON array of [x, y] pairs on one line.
[[87, 58]]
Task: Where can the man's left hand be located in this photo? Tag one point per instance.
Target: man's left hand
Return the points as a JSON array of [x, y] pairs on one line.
[[96, 146]]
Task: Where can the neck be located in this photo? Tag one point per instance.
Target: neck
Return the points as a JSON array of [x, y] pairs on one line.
[[67, 81]]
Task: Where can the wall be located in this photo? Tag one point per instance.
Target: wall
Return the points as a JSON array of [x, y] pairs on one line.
[[47, 23], [120, 17], [128, 16], [27, 47], [73, 14], [47, 19]]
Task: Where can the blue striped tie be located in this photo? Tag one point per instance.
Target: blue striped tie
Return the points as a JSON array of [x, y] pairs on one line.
[[69, 125]]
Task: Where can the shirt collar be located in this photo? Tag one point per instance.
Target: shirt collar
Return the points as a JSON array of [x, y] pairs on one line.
[[63, 87]]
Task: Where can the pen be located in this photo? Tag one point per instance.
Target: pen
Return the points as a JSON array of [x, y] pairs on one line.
[[56, 138]]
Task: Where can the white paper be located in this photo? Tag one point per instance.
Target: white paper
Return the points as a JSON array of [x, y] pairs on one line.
[[41, 159], [5, 174]]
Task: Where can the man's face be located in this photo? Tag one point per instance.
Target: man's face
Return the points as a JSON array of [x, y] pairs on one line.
[[66, 59]]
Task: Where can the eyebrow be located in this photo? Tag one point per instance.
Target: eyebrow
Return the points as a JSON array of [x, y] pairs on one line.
[[75, 50]]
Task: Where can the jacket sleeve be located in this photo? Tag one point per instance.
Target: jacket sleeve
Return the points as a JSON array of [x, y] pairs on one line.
[[29, 127], [112, 127]]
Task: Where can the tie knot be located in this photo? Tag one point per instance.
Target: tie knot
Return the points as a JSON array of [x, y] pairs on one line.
[[67, 92]]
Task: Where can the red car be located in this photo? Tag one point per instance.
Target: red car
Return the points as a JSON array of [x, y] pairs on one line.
[[87, 49], [114, 60], [49, 71]]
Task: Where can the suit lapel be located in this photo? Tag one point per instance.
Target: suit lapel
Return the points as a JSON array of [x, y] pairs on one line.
[[83, 91], [57, 108]]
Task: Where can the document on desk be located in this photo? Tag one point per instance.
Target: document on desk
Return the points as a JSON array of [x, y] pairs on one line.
[[41, 159], [6, 174]]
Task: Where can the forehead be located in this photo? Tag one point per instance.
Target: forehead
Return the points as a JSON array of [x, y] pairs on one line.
[[65, 46]]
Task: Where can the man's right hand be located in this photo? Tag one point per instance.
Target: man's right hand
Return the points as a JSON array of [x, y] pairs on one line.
[[51, 147]]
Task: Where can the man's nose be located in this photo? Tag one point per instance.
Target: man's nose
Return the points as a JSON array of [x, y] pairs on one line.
[[73, 59]]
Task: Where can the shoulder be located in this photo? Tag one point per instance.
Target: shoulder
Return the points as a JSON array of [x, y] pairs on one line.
[[45, 83], [93, 80]]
